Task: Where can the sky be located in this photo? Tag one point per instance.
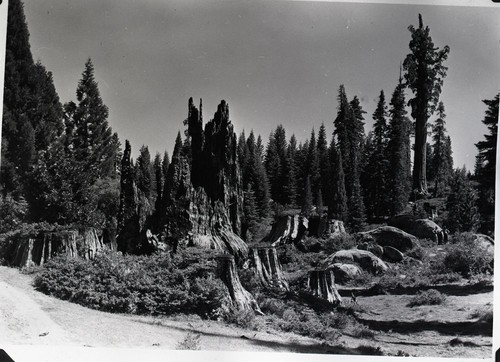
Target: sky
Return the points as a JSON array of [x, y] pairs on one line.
[[274, 62]]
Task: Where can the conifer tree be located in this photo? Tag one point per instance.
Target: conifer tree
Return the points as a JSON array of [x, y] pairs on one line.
[[424, 76], [290, 173], [398, 151], [143, 171], [257, 177], [323, 160], [337, 201], [486, 166], [128, 205], [377, 167], [273, 167], [356, 219], [463, 213], [312, 164], [442, 168], [164, 166], [307, 203], [92, 139]]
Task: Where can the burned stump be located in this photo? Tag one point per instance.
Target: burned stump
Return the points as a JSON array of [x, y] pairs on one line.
[[240, 297], [321, 284], [287, 230], [264, 261]]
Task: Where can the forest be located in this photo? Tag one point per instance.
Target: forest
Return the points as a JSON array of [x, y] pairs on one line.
[[236, 226]]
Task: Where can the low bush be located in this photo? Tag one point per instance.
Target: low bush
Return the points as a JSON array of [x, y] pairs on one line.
[[156, 285], [427, 297], [339, 242], [464, 257], [190, 342], [240, 318]]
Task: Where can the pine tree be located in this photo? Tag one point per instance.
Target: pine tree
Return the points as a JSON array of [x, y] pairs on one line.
[[398, 151], [442, 169], [273, 168], [377, 167], [127, 207], [323, 160], [92, 140], [307, 203], [290, 173], [486, 166], [463, 213], [257, 177], [337, 202], [424, 76], [312, 164], [143, 175]]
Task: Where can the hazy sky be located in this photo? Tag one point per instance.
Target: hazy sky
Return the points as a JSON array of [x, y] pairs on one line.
[[274, 62]]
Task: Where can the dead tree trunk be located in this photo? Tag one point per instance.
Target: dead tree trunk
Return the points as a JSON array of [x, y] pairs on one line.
[[321, 283], [264, 260], [241, 298]]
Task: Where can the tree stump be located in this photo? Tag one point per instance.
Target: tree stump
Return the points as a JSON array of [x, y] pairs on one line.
[[264, 260], [241, 298], [321, 283]]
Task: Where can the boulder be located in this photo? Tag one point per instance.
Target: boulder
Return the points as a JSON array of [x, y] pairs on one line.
[[376, 249], [363, 246], [366, 260], [345, 272], [393, 254], [389, 236], [421, 228]]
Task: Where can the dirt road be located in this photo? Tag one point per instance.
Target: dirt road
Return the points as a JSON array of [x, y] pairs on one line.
[[31, 318]]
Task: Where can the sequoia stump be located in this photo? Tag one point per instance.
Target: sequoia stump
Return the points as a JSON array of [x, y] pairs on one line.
[[264, 260], [321, 283], [240, 297]]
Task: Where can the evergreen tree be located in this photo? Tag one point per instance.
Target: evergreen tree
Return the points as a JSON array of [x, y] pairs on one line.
[[143, 175], [323, 160], [463, 213], [312, 164], [486, 166], [441, 162], [128, 205], [307, 203], [157, 185], [424, 76], [92, 139], [290, 173], [337, 201], [377, 167], [257, 177], [357, 217], [164, 166], [398, 151]]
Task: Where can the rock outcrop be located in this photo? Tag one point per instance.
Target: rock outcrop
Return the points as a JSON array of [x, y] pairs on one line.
[[37, 250], [321, 283], [264, 261], [389, 236], [241, 298], [421, 228], [393, 254], [366, 260]]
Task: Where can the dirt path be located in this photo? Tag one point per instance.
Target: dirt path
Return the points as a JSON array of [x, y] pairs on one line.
[[31, 318]]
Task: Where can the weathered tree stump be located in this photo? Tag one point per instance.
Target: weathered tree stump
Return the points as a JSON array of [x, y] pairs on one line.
[[321, 283], [241, 298], [287, 230], [264, 260]]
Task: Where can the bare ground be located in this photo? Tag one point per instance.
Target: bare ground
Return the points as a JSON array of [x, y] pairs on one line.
[[32, 318]]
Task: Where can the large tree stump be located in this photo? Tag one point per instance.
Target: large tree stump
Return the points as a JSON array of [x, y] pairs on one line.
[[287, 230], [321, 283], [264, 260], [241, 298]]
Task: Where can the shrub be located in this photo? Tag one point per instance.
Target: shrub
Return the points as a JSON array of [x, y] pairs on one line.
[[428, 297], [339, 242], [156, 285], [465, 257], [241, 318], [190, 342], [272, 306]]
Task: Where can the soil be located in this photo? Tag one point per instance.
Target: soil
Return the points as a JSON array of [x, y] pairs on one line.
[[32, 318]]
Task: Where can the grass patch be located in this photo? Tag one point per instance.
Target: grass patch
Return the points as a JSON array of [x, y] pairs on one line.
[[427, 297], [190, 342]]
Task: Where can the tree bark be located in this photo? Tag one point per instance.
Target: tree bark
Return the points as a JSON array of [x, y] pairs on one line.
[[241, 298], [268, 268], [321, 283]]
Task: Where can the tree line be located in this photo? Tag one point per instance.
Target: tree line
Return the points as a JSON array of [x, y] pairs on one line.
[[61, 163]]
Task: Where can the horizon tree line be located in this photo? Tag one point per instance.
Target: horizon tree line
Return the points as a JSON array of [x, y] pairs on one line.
[[61, 163]]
